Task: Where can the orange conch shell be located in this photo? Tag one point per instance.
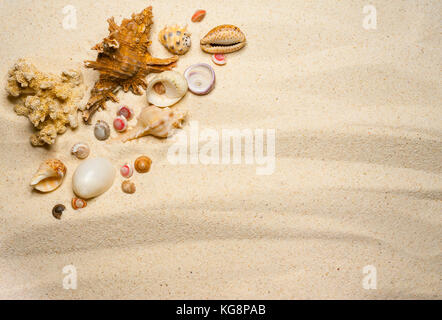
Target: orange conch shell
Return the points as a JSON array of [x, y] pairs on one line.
[[49, 176], [124, 61], [223, 39]]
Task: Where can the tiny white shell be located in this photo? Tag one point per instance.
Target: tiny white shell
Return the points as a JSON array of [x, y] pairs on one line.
[[175, 88], [93, 177]]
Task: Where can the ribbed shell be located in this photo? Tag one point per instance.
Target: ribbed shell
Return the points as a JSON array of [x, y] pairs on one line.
[[225, 38]]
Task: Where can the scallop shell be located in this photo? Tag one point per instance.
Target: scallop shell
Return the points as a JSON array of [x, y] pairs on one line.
[[49, 175], [223, 39], [159, 122], [93, 177], [175, 39], [175, 86]]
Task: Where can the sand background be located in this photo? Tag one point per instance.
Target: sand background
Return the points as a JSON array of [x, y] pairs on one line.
[[358, 168]]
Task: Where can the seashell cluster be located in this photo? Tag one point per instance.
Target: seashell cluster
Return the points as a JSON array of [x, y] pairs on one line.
[[225, 38], [49, 101], [200, 78], [128, 187], [93, 177], [80, 150], [142, 164], [159, 122], [166, 89], [49, 175], [101, 130], [175, 39], [78, 203]]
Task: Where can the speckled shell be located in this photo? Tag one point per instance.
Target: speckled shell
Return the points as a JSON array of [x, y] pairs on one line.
[[225, 38], [175, 39]]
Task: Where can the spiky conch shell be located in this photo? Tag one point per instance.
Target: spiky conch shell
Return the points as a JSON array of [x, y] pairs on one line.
[[175, 39], [49, 175], [124, 61], [158, 122]]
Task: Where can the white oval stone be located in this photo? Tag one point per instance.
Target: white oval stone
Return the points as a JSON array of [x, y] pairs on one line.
[[93, 177]]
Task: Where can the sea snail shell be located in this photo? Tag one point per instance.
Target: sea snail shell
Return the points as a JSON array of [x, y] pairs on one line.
[[175, 86], [127, 170], [101, 130], [93, 177], [49, 175], [80, 150], [159, 122], [142, 164], [78, 203], [223, 39], [126, 112], [128, 186], [175, 39]]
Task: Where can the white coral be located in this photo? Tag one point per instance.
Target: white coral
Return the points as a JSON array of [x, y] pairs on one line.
[[50, 102]]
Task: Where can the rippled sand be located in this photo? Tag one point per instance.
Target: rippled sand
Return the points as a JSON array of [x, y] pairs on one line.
[[358, 178]]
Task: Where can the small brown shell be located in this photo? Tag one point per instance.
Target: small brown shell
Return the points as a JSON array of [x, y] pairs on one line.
[[57, 211], [128, 186], [80, 150], [142, 164], [78, 203]]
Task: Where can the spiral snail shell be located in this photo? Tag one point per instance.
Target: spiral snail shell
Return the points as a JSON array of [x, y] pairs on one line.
[[142, 164]]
